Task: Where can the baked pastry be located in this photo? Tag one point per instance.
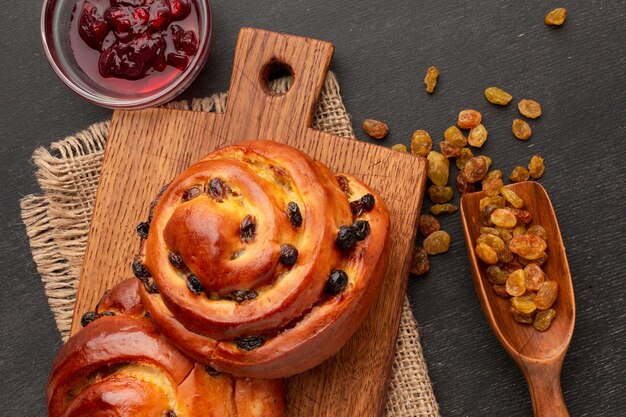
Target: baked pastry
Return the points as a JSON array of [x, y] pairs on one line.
[[259, 262], [121, 365]]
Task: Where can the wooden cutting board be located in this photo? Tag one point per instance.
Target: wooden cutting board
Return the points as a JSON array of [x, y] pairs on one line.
[[147, 148]]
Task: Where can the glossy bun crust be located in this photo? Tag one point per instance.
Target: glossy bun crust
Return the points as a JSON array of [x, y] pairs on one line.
[[260, 262], [120, 365]]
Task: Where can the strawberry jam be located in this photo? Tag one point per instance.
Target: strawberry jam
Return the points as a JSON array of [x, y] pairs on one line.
[[134, 45]]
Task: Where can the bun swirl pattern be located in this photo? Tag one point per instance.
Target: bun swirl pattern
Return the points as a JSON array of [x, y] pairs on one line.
[[120, 365], [259, 262]]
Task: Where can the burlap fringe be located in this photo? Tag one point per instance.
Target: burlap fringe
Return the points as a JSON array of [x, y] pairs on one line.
[[57, 225]]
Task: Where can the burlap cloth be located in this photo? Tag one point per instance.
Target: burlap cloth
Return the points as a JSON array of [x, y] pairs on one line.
[[57, 223]]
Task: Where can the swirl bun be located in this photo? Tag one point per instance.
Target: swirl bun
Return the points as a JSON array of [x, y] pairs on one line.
[[260, 262], [120, 365]]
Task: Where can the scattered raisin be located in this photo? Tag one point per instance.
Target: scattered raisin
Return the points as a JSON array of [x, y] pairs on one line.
[[521, 129], [519, 174], [536, 167], [139, 269], [556, 17], [469, 119], [439, 194], [546, 295], [247, 229], [368, 202], [176, 260], [88, 317], [437, 242], [399, 147], [463, 186], [218, 189], [421, 143], [455, 136], [492, 188], [191, 192], [375, 128], [449, 150], [486, 253], [293, 212], [438, 168], [362, 229], [529, 246], [288, 254], [477, 136], [543, 319], [346, 237], [466, 155], [243, 295], [428, 224], [142, 229], [431, 79], [492, 175], [419, 262], [447, 208], [194, 284], [496, 95], [337, 280], [474, 169], [249, 343], [529, 108]]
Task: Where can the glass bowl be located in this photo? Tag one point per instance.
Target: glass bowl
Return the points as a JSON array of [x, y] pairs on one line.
[[56, 16]]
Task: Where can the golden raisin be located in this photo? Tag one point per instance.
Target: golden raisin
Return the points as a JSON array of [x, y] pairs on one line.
[[536, 167], [455, 136], [449, 150], [512, 197], [469, 119], [399, 147], [448, 208], [534, 276], [428, 224], [520, 317], [529, 108], [421, 143], [375, 128], [463, 186], [523, 305], [521, 129], [419, 261], [485, 214], [500, 291], [496, 275], [528, 246], [496, 200], [546, 295], [486, 253], [492, 188], [506, 256], [543, 319], [516, 283], [439, 194], [492, 175], [519, 230], [477, 136], [539, 231], [438, 168], [519, 174], [466, 155], [431, 79], [437, 242], [488, 161], [489, 231], [475, 169], [496, 95], [556, 17], [493, 241], [505, 233], [504, 218]]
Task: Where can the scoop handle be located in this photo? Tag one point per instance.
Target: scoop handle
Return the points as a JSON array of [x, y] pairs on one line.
[[544, 384]]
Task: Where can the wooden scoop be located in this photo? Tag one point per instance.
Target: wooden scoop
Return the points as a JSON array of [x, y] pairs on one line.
[[538, 354]]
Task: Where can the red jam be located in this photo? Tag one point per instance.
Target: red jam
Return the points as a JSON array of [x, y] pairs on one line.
[[134, 45]]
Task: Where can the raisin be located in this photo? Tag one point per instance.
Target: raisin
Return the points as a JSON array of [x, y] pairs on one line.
[[176, 260], [505, 255], [463, 186], [485, 214], [522, 216], [505, 234], [543, 319], [469, 119], [431, 79], [539, 231], [503, 218], [438, 168], [494, 242], [191, 192], [150, 286], [474, 169], [528, 246], [293, 212], [500, 291], [375, 128], [546, 295], [512, 197], [88, 317], [346, 238], [449, 150], [486, 254], [288, 254], [428, 224], [218, 189], [356, 207], [439, 194], [437, 242], [512, 266], [337, 280], [496, 95], [556, 17], [529, 108], [447, 208], [520, 317], [521, 129], [516, 283], [466, 155], [492, 188], [211, 371], [419, 262], [250, 343], [455, 136], [243, 295], [247, 229], [519, 174], [139, 269], [534, 276], [362, 229], [489, 231], [368, 202], [142, 229], [399, 147], [492, 175], [536, 167], [488, 161], [523, 305], [496, 201], [421, 143], [170, 413], [496, 276], [477, 136], [194, 284], [344, 184], [519, 230]]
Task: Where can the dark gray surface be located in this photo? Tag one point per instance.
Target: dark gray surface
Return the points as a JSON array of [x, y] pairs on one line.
[[382, 51]]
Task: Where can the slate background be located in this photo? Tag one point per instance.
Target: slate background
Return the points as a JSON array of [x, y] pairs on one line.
[[382, 51]]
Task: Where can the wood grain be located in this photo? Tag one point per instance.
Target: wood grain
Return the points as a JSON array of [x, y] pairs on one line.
[[538, 354], [148, 148]]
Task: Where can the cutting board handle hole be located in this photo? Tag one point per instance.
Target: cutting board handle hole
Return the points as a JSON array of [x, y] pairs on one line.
[[276, 71]]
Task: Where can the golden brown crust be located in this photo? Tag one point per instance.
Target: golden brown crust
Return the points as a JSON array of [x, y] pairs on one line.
[[228, 298]]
